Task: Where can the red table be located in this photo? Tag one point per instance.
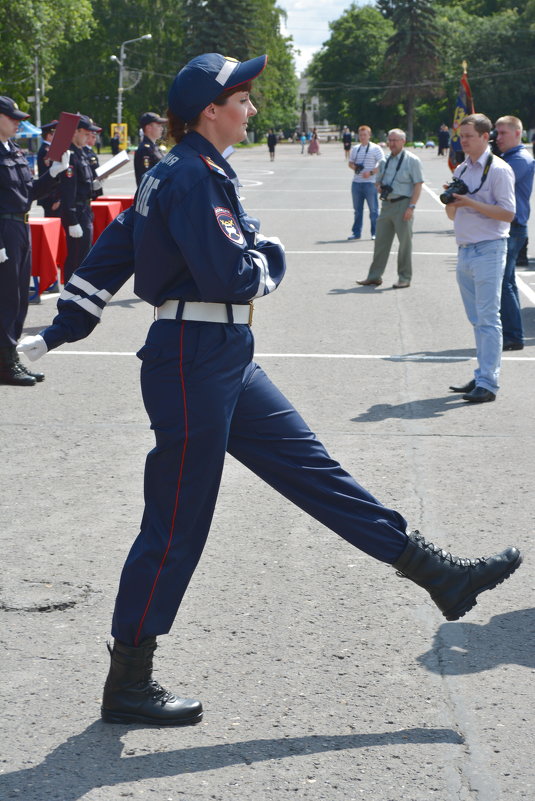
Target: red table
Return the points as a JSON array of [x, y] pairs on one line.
[[45, 233], [104, 212], [125, 200]]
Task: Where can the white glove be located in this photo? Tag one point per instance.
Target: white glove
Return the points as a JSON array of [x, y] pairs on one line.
[[3, 255], [76, 231], [60, 166], [273, 239], [33, 347]]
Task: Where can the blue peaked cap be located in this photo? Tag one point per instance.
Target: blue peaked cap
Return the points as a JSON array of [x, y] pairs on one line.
[[205, 77]]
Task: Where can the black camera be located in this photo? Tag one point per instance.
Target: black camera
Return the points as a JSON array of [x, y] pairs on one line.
[[385, 191], [359, 168], [456, 186], [493, 142]]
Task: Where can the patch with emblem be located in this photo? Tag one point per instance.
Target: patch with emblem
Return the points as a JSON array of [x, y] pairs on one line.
[[213, 166], [69, 172], [229, 226], [146, 162]]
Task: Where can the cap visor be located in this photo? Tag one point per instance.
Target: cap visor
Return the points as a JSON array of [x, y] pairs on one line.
[[247, 71]]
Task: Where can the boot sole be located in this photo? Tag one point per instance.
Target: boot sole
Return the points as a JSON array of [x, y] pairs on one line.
[[127, 717], [471, 600]]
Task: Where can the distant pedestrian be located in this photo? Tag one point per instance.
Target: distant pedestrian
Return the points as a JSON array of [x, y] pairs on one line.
[[314, 144], [443, 139], [347, 140], [271, 143]]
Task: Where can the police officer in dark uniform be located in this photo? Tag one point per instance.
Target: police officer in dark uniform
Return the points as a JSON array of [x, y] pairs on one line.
[[76, 187], [200, 259], [50, 203], [17, 191], [148, 153], [92, 157]]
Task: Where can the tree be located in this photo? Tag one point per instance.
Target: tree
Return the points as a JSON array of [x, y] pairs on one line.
[[38, 29], [346, 71], [244, 29], [88, 79], [412, 57]]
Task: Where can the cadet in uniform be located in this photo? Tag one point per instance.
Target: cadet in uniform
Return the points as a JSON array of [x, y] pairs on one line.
[[96, 190], [50, 203], [17, 191], [76, 186], [148, 154], [200, 259]]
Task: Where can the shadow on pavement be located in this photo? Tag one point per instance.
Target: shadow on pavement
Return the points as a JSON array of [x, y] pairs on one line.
[[94, 758], [415, 410], [463, 648]]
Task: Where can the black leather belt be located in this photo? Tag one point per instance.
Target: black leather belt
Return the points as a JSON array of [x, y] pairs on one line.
[[20, 217], [396, 199]]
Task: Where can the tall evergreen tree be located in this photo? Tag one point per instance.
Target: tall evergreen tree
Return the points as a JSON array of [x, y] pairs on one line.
[[412, 57]]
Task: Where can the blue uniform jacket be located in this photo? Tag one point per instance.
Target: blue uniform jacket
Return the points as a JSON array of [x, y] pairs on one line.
[[186, 237], [75, 185]]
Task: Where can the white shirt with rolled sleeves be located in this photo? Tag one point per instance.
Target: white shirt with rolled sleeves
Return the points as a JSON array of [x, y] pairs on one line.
[[498, 190]]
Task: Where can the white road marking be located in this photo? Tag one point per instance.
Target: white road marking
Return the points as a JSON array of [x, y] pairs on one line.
[[377, 356]]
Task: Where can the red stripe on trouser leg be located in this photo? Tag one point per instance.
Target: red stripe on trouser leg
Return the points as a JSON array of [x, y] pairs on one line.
[[175, 509]]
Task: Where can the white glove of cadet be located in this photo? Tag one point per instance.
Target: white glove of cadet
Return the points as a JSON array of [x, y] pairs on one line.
[[60, 166], [76, 231], [3, 255], [34, 347], [273, 239]]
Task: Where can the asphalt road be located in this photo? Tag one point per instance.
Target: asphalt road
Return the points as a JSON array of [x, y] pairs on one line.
[[324, 676]]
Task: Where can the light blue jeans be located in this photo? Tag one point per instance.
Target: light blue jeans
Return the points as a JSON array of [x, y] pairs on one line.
[[361, 192], [480, 269]]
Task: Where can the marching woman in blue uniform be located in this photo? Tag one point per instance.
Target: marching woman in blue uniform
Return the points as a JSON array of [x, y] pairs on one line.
[[17, 191], [200, 260]]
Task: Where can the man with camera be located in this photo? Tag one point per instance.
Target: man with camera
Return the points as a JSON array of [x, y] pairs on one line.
[[364, 160], [509, 141], [401, 180], [481, 202]]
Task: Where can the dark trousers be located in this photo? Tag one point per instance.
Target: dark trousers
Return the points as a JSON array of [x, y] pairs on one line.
[[14, 280], [205, 397], [77, 249]]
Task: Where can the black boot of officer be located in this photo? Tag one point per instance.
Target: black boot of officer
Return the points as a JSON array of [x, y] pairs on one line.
[[131, 695], [12, 370], [21, 366], [452, 582]]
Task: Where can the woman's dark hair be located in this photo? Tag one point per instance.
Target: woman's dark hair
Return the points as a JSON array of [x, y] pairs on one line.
[[176, 127]]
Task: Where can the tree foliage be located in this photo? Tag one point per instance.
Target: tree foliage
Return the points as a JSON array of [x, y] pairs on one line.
[[411, 61], [347, 70], [495, 37], [42, 29]]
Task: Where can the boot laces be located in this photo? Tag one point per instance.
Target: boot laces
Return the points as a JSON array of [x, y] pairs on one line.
[[445, 555], [159, 693]]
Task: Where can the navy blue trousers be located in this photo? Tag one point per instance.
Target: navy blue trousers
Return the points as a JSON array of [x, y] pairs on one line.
[[205, 397], [77, 249], [14, 280]]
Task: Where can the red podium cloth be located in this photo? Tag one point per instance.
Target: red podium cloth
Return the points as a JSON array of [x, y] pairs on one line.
[[125, 200], [46, 235], [104, 212]]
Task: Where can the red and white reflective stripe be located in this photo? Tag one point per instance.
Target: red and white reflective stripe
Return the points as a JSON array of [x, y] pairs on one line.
[[177, 494]]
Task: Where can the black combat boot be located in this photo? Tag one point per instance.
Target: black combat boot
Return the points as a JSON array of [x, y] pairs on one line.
[[452, 582], [131, 695], [11, 371], [38, 376]]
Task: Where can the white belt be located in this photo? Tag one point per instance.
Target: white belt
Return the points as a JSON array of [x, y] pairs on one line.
[[206, 312]]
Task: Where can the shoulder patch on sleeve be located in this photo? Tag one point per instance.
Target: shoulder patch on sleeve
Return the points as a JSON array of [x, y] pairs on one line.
[[229, 226], [210, 163]]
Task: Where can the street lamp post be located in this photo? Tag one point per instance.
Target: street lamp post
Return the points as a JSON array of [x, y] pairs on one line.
[[120, 61]]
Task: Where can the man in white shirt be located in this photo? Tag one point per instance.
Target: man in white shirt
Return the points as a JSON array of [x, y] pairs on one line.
[[481, 218], [364, 160]]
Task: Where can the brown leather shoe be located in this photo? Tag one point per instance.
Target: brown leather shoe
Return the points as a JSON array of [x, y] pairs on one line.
[[371, 282], [401, 285]]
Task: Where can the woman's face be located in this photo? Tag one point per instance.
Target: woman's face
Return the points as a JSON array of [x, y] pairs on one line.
[[232, 118]]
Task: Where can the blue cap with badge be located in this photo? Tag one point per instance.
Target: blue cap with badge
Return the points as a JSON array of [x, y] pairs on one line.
[[10, 109], [88, 124], [205, 77]]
